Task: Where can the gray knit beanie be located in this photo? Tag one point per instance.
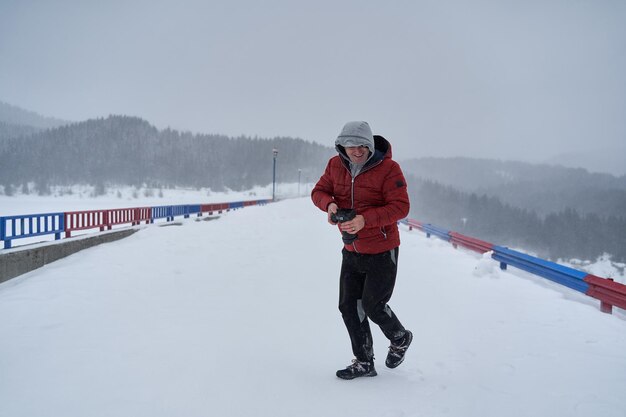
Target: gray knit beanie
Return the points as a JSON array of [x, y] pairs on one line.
[[356, 134]]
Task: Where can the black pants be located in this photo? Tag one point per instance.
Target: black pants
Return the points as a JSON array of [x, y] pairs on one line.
[[366, 284]]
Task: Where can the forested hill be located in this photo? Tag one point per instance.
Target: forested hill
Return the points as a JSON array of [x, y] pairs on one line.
[[554, 211], [128, 150], [543, 189]]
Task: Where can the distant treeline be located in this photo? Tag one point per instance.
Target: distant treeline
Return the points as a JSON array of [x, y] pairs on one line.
[[128, 150], [565, 234], [8, 130], [540, 188]]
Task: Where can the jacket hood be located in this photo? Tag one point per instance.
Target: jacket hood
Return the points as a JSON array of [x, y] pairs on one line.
[[356, 134], [382, 145], [382, 151]]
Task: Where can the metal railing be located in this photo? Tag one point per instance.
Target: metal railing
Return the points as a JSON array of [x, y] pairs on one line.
[[64, 223], [22, 226], [608, 292]]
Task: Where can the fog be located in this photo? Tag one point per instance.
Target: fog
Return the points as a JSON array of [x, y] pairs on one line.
[[526, 80]]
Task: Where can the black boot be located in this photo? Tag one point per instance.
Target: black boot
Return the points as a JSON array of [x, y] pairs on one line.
[[397, 350], [357, 369]]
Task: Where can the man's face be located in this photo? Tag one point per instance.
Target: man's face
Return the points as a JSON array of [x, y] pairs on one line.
[[358, 154]]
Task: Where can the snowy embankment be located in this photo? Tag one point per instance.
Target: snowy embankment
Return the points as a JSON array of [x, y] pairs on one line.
[[238, 317]]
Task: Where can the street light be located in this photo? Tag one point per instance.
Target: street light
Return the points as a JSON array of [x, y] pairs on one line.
[[275, 152], [299, 175]]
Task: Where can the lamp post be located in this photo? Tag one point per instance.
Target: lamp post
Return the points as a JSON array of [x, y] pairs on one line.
[[275, 153], [299, 175]]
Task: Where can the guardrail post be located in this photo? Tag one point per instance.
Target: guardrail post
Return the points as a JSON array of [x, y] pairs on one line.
[[61, 218], [2, 232], [604, 306], [106, 221], [67, 224]]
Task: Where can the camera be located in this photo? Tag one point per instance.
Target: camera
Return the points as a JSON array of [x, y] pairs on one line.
[[341, 216]]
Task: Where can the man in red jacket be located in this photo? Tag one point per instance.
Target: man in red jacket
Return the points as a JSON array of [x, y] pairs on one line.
[[364, 192]]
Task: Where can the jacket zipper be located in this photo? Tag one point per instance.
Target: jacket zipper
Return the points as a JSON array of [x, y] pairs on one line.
[[352, 206], [352, 194], [352, 191], [353, 178]]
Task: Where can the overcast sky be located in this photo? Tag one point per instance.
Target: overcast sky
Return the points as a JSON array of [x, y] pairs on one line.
[[506, 79]]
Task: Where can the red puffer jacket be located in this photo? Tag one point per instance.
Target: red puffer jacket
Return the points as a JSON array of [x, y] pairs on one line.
[[378, 193]]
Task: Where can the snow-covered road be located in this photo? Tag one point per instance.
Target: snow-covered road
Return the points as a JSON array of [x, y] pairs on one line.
[[238, 317]]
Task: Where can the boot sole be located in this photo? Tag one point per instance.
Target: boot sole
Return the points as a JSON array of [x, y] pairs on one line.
[[349, 377]]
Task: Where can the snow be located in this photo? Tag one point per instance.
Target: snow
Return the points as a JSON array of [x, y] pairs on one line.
[[603, 267], [77, 198], [238, 317]]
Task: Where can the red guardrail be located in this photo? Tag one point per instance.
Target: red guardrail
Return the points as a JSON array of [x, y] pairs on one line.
[[468, 242], [105, 219], [82, 220], [414, 223], [609, 292], [134, 216], [142, 214], [219, 207], [119, 216]]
